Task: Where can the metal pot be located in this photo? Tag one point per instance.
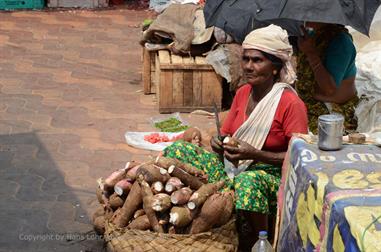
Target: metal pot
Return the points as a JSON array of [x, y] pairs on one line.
[[330, 130]]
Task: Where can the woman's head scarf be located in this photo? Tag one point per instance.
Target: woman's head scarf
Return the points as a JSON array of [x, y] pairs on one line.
[[273, 40]]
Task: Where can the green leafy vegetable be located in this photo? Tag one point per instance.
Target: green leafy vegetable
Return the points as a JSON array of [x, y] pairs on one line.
[[171, 125], [176, 128]]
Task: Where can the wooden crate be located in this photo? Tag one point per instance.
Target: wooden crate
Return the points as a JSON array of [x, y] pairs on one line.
[[149, 80], [185, 84]]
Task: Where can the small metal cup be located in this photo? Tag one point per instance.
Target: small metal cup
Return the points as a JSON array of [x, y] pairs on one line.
[[330, 130]]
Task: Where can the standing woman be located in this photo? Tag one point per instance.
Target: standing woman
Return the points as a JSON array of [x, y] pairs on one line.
[[264, 115], [326, 73]]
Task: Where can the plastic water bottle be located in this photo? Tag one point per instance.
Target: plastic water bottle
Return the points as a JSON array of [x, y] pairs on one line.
[[262, 245]]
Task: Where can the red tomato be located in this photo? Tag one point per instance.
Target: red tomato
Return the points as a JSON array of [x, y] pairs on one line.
[[159, 138]]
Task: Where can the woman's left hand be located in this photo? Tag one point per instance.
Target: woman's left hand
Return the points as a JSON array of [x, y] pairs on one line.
[[244, 151], [306, 43]]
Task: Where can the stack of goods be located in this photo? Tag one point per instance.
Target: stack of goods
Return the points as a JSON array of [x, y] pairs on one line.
[[164, 200], [181, 29]]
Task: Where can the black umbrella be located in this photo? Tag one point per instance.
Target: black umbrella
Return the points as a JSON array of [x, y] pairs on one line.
[[239, 17], [355, 13]]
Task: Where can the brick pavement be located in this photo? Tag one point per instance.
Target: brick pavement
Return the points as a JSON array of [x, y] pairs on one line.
[[69, 89], [69, 85]]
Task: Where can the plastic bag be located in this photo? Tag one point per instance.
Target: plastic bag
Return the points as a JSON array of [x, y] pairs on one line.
[[159, 5], [368, 85], [136, 139], [220, 62], [160, 118], [185, 1]]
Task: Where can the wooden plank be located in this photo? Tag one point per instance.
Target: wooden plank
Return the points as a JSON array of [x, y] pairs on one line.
[[166, 89], [211, 88], [186, 66], [188, 88], [146, 71], [154, 86], [164, 57], [188, 60], [176, 59], [153, 70], [178, 87], [152, 56], [197, 88], [157, 76], [186, 109], [200, 60], [153, 82], [178, 82]]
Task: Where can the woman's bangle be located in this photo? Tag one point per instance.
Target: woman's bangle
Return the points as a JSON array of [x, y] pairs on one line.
[[316, 66]]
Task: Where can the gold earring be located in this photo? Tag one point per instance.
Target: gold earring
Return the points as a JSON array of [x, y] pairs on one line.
[[275, 72]]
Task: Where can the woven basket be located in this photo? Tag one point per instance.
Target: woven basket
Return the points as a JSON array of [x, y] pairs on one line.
[[221, 239]]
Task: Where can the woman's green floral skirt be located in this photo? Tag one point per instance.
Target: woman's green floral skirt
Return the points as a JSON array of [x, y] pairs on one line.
[[255, 189]]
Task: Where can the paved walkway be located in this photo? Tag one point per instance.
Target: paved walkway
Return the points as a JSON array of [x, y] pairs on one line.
[[69, 89]]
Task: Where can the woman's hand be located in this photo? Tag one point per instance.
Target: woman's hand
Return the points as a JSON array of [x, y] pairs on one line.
[[306, 43], [196, 138], [244, 151], [216, 145]]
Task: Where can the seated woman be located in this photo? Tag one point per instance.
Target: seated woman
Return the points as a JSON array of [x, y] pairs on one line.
[[326, 73], [264, 115]]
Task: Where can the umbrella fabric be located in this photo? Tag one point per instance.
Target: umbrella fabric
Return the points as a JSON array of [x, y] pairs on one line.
[[239, 17], [355, 13], [234, 21]]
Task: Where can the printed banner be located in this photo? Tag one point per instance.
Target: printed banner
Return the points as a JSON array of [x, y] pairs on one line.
[[331, 200]]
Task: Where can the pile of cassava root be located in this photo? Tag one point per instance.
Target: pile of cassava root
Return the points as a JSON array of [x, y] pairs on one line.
[[162, 195]]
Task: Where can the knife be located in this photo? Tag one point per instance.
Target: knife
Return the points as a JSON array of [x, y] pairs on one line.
[[218, 126]]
